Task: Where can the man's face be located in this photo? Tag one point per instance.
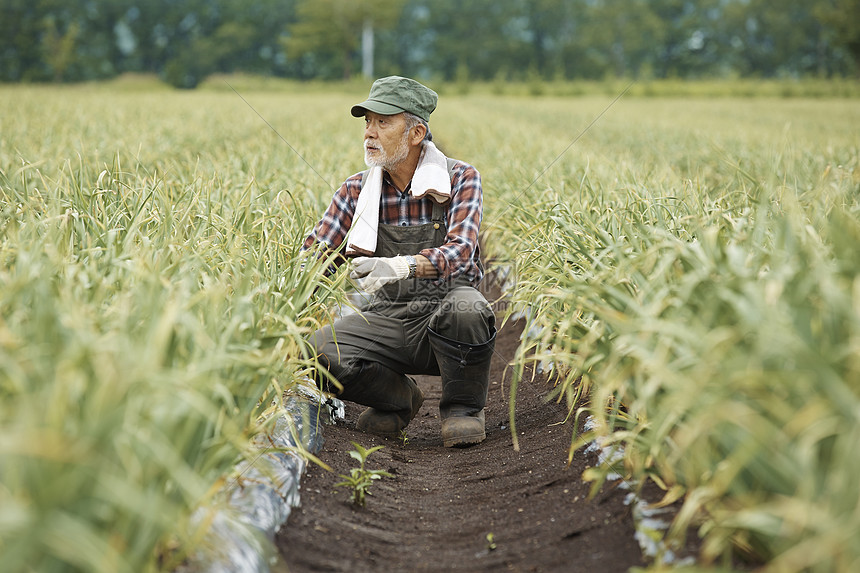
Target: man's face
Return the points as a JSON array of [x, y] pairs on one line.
[[386, 140]]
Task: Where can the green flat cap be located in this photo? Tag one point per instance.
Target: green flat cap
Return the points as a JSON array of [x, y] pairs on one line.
[[392, 95]]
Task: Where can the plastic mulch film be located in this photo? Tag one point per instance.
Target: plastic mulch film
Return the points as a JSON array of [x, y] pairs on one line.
[[649, 529], [258, 500]]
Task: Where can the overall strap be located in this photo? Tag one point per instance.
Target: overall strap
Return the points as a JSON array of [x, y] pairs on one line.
[[438, 213], [451, 164]]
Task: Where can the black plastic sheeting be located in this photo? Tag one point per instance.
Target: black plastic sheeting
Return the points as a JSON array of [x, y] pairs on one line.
[[262, 491]]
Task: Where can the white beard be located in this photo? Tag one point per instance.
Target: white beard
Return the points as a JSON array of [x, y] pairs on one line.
[[385, 160]]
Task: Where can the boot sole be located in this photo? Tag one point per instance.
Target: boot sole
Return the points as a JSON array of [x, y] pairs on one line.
[[464, 441]]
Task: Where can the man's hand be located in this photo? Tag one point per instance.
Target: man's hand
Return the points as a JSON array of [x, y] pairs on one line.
[[372, 273]]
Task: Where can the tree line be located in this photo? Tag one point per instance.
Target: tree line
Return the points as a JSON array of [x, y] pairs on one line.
[[186, 40]]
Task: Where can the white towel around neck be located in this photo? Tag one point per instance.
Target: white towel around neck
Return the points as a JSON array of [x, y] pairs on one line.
[[430, 178]]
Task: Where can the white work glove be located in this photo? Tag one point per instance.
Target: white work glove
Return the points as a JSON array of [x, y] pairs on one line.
[[372, 273]]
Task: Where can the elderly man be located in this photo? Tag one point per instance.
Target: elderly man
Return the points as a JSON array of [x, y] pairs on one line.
[[410, 223]]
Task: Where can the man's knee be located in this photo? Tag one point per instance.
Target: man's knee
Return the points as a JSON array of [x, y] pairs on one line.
[[465, 316], [330, 361]]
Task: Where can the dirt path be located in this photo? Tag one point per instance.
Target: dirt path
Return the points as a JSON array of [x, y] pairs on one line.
[[437, 510]]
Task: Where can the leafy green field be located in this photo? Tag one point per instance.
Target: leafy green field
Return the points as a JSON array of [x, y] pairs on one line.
[[693, 262], [697, 271], [151, 310]]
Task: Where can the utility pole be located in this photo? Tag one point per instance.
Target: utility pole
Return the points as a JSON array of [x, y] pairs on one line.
[[367, 48]]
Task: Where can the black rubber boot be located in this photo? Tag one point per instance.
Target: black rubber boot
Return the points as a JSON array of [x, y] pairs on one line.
[[465, 371], [394, 399]]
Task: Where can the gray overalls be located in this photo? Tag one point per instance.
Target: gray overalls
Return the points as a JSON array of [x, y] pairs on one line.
[[412, 326]]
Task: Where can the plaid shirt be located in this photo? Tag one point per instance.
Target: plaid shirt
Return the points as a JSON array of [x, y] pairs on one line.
[[457, 257]]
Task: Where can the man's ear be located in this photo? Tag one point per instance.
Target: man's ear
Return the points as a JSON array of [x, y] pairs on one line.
[[418, 134]]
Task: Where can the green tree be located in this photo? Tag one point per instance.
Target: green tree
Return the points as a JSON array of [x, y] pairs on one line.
[[553, 25], [480, 35], [185, 40], [20, 50], [841, 17], [326, 36], [59, 47], [690, 45], [626, 33]]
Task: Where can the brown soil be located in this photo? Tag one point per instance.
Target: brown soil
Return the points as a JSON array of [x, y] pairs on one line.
[[436, 512]]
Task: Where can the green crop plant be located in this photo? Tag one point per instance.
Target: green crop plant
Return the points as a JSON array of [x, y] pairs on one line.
[[712, 324], [688, 268], [360, 479], [404, 437], [152, 309]]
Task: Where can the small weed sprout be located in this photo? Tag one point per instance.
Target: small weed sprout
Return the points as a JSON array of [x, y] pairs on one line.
[[404, 437], [360, 478], [491, 543]]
